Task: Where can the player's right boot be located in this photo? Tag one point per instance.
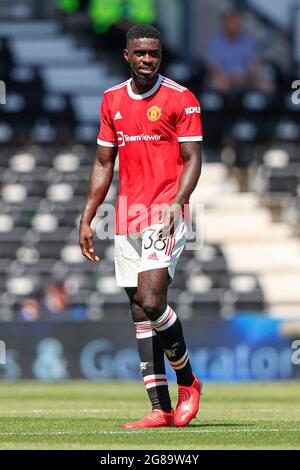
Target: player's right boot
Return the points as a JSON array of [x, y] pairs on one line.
[[188, 402], [156, 419]]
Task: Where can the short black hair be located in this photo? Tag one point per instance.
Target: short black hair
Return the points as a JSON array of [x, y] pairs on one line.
[[139, 31]]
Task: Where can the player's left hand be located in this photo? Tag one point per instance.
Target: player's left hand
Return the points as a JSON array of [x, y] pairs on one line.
[[169, 218]]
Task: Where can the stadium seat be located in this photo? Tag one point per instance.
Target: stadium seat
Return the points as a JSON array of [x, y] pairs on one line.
[[244, 131], [179, 281], [255, 101], [277, 180], [44, 223], [47, 51], [12, 29], [202, 304], [276, 157], [107, 286], [262, 257], [21, 219], [86, 132], [6, 132], [66, 162], [47, 250], [54, 103], [287, 130], [43, 131], [281, 287], [15, 103], [76, 78], [8, 248], [60, 192], [112, 307], [199, 283], [6, 223], [22, 162], [235, 303], [76, 283], [291, 212], [245, 294], [212, 101], [278, 152], [29, 255], [22, 286]]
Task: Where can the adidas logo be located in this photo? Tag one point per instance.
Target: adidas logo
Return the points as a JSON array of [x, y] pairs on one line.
[[153, 256], [118, 115]]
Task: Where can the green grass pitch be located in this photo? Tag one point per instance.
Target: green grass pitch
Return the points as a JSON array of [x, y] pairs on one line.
[[88, 415]]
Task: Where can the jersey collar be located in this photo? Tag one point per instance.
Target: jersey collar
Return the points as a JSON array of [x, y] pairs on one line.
[[151, 92]]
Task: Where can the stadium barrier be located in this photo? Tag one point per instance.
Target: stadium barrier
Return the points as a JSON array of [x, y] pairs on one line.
[[239, 349]]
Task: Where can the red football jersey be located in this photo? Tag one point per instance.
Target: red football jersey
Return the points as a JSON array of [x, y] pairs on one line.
[[148, 129]]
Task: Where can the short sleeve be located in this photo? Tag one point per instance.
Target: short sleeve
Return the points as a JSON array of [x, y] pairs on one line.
[[188, 118], [106, 136]]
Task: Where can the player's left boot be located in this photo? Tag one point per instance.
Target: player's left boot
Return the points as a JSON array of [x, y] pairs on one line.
[[156, 419], [188, 402]]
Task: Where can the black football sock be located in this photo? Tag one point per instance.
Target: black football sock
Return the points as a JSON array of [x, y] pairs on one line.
[[170, 334], [153, 366]]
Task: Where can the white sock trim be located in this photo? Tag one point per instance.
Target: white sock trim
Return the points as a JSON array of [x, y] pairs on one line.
[[144, 330], [167, 319], [155, 380], [181, 363]]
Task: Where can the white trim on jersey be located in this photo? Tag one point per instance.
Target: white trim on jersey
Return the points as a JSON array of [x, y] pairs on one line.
[[176, 85], [190, 139], [151, 92], [106, 144], [116, 87], [173, 87]]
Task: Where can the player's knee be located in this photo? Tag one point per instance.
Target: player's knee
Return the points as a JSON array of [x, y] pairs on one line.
[[138, 313], [153, 308]]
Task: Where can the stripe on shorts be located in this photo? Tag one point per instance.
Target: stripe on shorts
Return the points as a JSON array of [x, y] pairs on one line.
[[167, 246], [170, 245], [173, 241]]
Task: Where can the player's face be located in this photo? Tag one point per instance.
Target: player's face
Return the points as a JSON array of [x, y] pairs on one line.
[[144, 57]]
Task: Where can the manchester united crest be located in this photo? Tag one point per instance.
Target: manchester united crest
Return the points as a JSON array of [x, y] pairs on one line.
[[154, 113]]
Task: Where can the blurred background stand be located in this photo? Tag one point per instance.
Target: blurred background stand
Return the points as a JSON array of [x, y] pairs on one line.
[[240, 59]]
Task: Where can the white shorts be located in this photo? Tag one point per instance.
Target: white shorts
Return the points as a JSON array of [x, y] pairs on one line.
[[143, 251]]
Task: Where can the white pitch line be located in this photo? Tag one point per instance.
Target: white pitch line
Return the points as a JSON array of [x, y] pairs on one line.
[[106, 410], [99, 410], [264, 410], [200, 431]]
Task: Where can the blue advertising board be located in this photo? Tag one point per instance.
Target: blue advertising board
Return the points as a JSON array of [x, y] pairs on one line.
[[239, 349]]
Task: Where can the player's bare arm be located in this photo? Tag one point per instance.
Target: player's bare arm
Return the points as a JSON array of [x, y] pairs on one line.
[[99, 183], [191, 154]]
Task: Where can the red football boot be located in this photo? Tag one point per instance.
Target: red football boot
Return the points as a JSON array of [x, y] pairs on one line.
[[156, 419], [188, 402]]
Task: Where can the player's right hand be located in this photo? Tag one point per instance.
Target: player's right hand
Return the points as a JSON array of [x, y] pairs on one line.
[[86, 242]]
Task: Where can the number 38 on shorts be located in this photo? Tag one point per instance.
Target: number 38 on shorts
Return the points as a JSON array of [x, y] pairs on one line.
[[145, 251]]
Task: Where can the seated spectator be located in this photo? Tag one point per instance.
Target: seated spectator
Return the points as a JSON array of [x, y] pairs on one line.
[[232, 59], [56, 305], [29, 310]]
